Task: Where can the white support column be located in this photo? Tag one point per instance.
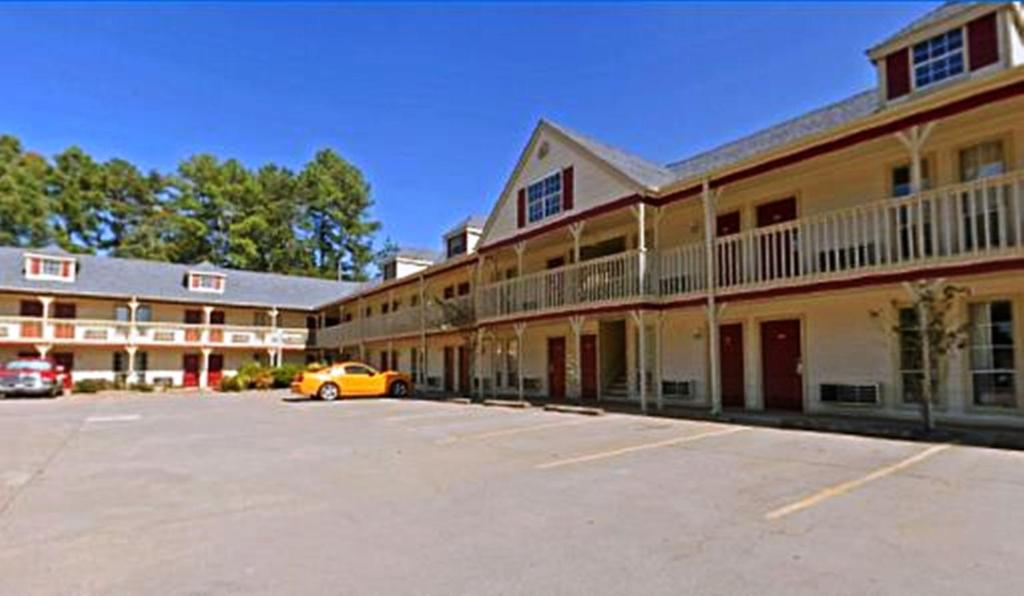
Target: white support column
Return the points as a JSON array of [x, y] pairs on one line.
[[275, 338], [520, 249], [207, 312], [576, 232], [423, 331], [46, 331], [204, 373], [640, 210], [658, 393], [391, 355], [914, 139], [710, 199], [576, 324], [43, 349], [133, 317], [520, 329], [131, 350], [641, 357], [478, 363]]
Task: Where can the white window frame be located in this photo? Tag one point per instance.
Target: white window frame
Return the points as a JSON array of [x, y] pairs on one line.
[[544, 201], [49, 260], [988, 349], [932, 60], [203, 276]]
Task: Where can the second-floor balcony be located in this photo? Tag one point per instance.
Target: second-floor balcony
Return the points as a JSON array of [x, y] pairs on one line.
[[441, 315], [963, 223], [109, 332]]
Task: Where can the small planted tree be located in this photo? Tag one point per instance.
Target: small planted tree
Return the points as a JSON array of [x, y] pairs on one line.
[[459, 314], [929, 331]]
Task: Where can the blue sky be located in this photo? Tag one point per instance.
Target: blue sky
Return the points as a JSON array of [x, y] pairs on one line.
[[432, 101]]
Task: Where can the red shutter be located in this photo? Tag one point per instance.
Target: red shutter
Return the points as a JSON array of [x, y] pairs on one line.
[[983, 41], [567, 189], [521, 208], [65, 270], [34, 266], [195, 280], [897, 73]]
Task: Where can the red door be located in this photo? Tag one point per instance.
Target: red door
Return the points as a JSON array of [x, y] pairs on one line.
[[464, 386], [64, 310], [66, 360], [588, 366], [781, 364], [449, 369], [730, 350], [193, 317], [31, 308], [215, 370], [190, 364], [779, 255], [556, 368]]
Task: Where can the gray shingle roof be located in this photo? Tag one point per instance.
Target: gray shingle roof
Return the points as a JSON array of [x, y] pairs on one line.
[[640, 170], [473, 221], [152, 280], [420, 254], [947, 10], [811, 123]]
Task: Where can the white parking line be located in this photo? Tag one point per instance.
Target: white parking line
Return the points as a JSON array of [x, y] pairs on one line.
[[505, 432], [845, 487], [114, 418], [641, 447]]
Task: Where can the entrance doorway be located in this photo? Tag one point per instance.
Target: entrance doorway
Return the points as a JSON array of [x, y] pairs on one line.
[[215, 370], [449, 369], [588, 367], [781, 365], [556, 368], [66, 360], [730, 351], [190, 366]]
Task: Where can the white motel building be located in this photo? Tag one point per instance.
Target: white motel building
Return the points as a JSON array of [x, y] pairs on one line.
[[756, 276]]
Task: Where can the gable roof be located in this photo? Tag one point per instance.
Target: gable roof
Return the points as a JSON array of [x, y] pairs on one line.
[[947, 10], [419, 254], [152, 280], [476, 222], [813, 122], [643, 172]]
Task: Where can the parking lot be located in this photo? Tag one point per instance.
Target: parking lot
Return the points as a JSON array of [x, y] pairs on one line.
[[257, 493]]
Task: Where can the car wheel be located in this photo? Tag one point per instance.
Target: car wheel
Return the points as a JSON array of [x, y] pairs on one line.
[[328, 392], [399, 389]]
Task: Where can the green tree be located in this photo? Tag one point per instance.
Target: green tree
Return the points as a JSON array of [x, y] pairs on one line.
[[77, 201], [130, 199], [335, 223], [24, 207]]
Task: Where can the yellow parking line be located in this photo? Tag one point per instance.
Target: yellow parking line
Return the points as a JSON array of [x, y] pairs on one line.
[[635, 448], [512, 431], [845, 487]]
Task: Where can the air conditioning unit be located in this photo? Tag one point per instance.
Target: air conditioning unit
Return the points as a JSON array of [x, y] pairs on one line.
[[843, 393], [678, 390]]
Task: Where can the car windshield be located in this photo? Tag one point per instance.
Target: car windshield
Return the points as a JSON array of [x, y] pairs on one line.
[[358, 369], [28, 365]]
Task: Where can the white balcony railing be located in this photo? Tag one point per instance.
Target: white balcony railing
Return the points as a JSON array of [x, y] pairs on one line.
[[951, 224], [86, 331], [960, 223]]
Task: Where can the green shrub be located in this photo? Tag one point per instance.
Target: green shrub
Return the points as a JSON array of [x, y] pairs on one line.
[[231, 383], [284, 374], [91, 386], [141, 387]]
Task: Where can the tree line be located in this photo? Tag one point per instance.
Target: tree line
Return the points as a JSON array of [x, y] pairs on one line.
[[312, 222]]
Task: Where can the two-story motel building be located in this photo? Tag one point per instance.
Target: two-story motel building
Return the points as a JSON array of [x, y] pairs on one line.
[[759, 275]]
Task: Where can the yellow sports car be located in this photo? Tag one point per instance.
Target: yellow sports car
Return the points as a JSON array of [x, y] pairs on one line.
[[351, 379]]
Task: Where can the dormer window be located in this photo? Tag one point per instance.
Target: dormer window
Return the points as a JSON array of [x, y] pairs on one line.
[[939, 58], [390, 270], [457, 245], [49, 268], [206, 282], [544, 197]]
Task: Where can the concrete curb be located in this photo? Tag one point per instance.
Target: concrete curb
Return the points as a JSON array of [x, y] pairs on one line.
[[507, 403], [584, 410], [459, 400]]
